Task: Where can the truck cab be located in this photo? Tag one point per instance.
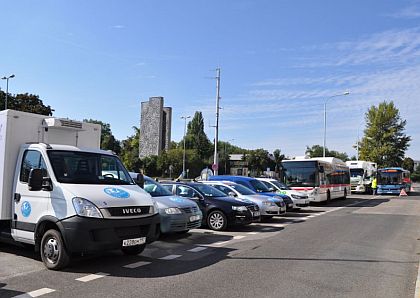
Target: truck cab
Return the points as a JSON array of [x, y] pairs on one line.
[[60, 197]]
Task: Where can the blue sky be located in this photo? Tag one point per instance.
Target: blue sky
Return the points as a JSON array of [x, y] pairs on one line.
[[280, 60]]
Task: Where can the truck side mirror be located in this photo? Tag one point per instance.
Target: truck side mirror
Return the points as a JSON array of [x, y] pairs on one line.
[[140, 180], [35, 180]]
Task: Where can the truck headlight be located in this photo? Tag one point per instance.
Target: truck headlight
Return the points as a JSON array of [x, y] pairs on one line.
[[172, 210], [239, 208], [86, 208]]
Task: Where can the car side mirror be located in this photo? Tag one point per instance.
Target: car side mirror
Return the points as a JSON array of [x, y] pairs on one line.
[[35, 180], [232, 194], [140, 180]]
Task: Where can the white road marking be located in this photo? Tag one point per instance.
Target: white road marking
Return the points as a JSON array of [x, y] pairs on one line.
[[137, 264], [238, 237], [417, 292], [36, 293], [197, 249], [170, 257], [252, 233], [91, 277]]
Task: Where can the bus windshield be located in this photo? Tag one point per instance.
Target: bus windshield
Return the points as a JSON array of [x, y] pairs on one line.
[[390, 178], [301, 173]]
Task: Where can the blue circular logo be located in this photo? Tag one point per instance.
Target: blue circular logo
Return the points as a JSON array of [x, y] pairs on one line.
[[116, 193], [26, 209]]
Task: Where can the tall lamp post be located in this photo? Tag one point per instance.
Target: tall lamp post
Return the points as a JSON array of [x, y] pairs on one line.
[[325, 117], [185, 131], [7, 88]]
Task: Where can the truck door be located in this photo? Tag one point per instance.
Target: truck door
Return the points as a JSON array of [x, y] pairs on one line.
[[29, 206]]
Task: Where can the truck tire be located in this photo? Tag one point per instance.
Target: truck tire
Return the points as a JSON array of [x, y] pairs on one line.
[[53, 252], [133, 250]]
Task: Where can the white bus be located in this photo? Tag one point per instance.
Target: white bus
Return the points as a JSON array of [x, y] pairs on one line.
[[321, 178]]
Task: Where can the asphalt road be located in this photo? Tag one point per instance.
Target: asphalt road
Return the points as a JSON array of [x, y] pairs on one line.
[[364, 246]]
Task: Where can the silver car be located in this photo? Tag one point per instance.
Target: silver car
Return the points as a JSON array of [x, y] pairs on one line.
[[269, 207]]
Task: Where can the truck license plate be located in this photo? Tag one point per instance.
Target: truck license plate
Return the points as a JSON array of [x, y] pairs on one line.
[[133, 242]]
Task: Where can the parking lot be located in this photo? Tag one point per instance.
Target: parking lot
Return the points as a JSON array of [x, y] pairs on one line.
[[281, 256]]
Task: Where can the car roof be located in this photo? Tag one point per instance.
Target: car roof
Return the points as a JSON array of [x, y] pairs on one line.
[[228, 177]]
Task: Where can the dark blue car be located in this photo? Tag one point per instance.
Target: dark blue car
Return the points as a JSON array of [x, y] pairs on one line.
[[254, 185]]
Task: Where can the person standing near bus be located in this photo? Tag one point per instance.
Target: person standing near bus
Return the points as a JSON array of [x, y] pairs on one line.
[[374, 185]]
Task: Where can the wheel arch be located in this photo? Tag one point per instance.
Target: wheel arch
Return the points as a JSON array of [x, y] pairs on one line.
[[44, 224]]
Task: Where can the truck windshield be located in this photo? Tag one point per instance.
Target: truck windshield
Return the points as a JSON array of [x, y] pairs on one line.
[[356, 172], [301, 173], [75, 167]]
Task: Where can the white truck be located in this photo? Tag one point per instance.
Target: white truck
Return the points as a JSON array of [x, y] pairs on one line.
[[57, 196], [361, 175]]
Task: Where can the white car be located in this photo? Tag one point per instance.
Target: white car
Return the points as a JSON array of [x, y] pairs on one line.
[[299, 199], [269, 207]]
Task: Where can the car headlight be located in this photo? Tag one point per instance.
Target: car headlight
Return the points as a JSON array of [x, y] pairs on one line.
[[269, 203], [172, 210], [239, 208], [297, 197], [86, 208]]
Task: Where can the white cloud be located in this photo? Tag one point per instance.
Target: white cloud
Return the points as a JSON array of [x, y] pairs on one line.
[[409, 12]]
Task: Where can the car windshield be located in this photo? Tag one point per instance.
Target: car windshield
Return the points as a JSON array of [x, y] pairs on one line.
[[242, 189], [209, 191], [259, 186], [76, 167], [155, 189], [280, 185], [356, 173]]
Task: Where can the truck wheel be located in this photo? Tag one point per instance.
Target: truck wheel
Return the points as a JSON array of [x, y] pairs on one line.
[[133, 250], [53, 252], [217, 221]]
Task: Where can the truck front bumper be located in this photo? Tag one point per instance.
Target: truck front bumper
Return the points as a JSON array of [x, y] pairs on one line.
[[83, 234]]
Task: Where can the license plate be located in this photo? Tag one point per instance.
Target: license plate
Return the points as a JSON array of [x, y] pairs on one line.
[[135, 241], [256, 213], [194, 217]]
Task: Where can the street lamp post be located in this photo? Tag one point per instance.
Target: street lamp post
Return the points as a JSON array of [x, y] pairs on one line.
[[7, 88], [185, 131], [325, 118]]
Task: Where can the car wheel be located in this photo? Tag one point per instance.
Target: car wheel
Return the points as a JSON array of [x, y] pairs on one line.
[[133, 250], [217, 221], [53, 253]]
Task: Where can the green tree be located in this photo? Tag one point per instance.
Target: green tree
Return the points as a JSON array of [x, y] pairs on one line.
[[149, 166], [317, 151], [408, 164], [415, 175], [25, 103], [196, 138], [278, 157], [258, 160], [108, 141], [384, 140], [130, 151]]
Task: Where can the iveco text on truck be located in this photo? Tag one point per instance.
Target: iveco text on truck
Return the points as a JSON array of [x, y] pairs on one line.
[[59, 197]]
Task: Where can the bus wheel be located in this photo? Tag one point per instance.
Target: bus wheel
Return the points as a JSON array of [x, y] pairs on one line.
[[328, 197], [345, 194]]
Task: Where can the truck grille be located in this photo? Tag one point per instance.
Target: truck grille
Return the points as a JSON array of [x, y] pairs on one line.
[[129, 211]]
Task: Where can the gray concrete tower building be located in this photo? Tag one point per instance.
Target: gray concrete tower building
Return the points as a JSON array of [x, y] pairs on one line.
[[155, 127]]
